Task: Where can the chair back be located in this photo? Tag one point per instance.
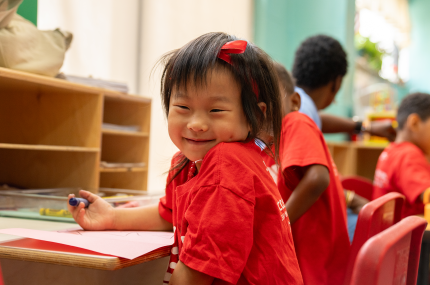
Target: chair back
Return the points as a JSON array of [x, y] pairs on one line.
[[392, 256], [373, 218], [360, 185]]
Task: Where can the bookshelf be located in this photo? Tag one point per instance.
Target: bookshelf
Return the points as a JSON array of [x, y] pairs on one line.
[[52, 135], [355, 158]]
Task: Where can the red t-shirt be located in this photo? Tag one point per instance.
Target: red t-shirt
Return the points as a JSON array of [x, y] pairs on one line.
[[230, 220], [403, 168], [320, 235]]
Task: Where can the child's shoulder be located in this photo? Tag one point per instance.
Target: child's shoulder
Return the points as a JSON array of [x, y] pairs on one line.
[[232, 165], [402, 149], [297, 118], [238, 152]]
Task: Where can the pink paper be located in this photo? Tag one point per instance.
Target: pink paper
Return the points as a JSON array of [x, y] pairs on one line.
[[127, 244]]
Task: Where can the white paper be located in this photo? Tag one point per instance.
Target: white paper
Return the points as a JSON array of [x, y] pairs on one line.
[[126, 244]]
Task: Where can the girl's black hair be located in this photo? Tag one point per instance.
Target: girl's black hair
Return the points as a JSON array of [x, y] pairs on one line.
[[198, 58]]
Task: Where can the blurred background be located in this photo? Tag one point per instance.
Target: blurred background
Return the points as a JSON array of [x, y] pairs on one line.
[[386, 42]]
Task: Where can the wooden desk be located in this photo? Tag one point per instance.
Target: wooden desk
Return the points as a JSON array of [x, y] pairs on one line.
[[28, 261], [355, 158]]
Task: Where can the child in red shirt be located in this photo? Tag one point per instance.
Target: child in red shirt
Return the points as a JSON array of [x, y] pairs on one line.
[[309, 183], [402, 167], [228, 218]]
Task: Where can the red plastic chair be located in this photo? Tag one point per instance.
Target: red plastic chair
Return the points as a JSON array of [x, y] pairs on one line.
[[373, 218], [360, 185], [392, 256]]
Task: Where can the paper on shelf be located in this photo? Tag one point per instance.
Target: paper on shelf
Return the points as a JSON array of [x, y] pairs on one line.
[[126, 244]]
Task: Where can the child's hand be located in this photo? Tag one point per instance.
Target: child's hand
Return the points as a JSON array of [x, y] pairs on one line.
[[100, 215], [357, 203]]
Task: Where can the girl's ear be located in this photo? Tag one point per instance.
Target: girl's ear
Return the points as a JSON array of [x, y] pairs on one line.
[[263, 107]]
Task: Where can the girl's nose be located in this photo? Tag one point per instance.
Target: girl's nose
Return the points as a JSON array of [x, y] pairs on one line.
[[197, 124]]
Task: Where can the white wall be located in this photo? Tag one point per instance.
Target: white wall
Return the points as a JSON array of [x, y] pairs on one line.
[[167, 25], [105, 36], [105, 46]]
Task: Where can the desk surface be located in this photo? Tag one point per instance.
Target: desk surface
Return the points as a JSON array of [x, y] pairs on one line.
[[45, 252]]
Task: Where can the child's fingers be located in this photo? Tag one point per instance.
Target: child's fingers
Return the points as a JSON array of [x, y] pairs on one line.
[[88, 195], [69, 207], [80, 216]]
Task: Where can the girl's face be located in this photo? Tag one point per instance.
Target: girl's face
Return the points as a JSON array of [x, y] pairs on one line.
[[203, 116]]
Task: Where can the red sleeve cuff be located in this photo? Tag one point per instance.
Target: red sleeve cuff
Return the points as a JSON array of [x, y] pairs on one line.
[[165, 212]]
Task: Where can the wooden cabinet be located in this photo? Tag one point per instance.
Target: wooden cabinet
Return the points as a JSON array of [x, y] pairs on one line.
[[51, 134], [355, 158]]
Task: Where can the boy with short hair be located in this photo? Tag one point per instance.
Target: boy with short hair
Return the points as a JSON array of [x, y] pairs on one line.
[[403, 167], [312, 192]]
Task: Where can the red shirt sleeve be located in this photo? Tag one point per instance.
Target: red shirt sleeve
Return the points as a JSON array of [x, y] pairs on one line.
[[413, 176], [301, 144], [220, 233], [165, 204]]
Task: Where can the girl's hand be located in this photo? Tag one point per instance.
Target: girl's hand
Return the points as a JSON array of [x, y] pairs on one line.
[[100, 215]]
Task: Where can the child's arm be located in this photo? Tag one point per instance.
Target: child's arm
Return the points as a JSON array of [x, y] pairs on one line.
[[100, 215], [183, 275], [315, 181]]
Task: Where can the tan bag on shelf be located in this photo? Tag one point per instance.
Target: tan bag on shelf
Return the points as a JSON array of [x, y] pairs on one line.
[[23, 47]]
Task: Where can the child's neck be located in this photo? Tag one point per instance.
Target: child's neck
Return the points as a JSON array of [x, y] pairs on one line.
[[406, 136], [198, 164]]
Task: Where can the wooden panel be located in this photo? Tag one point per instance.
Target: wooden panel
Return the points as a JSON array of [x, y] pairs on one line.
[[125, 133], [40, 114], [18, 272], [367, 159], [127, 113], [49, 147], [124, 180], [49, 169], [125, 149]]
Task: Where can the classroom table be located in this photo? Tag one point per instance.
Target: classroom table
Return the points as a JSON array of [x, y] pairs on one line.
[[423, 271], [27, 261]]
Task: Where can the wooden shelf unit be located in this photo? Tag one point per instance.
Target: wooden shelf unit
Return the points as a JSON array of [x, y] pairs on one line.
[[125, 146], [51, 134], [355, 158]]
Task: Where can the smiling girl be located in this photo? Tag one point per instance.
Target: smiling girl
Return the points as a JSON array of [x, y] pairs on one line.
[[221, 99]]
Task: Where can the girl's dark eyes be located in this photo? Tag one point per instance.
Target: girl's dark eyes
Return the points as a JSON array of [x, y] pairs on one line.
[[182, 107], [216, 110]]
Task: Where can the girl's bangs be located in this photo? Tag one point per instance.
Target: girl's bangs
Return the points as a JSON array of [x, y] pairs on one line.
[[195, 61]]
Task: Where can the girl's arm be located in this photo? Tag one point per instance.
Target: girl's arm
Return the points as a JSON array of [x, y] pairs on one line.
[[100, 215], [314, 182], [183, 275]]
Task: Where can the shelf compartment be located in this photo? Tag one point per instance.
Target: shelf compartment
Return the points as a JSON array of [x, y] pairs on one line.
[[34, 113], [124, 180], [48, 147], [28, 168], [124, 149], [367, 158], [127, 111]]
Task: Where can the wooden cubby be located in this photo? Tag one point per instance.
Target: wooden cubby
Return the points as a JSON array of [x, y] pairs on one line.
[[51, 134], [126, 146], [355, 158]]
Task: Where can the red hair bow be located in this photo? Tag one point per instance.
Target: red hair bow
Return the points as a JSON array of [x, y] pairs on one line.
[[236, 47]]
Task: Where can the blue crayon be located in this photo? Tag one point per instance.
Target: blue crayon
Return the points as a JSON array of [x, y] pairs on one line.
[[76, 201]]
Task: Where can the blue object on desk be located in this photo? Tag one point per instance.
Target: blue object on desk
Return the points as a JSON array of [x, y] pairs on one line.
[[76, 201]]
